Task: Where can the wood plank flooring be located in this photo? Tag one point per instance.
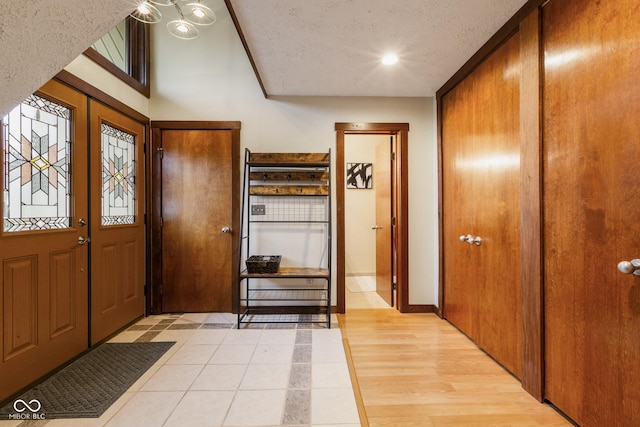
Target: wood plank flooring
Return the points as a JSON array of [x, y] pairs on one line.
[[418, 370]]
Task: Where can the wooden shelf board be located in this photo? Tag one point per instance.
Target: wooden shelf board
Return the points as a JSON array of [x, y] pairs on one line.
[[289, 159], [289, 190], [290, 272]]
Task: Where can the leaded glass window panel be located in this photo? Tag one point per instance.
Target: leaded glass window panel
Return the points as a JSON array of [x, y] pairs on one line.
[[36, 145], [118, 176]]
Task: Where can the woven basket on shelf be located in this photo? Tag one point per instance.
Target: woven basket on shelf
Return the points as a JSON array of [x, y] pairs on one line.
[[261, 264]]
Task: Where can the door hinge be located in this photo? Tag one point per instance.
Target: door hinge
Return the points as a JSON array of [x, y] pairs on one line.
[[393, 221], [161, 151], [395, 286], [393, 156], [161, 222]]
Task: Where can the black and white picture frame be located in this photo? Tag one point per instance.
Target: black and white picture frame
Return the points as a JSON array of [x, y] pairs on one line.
[[360, 175]]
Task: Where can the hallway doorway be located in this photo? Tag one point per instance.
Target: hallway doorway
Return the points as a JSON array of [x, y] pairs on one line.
[[371, 178], [368, 212]]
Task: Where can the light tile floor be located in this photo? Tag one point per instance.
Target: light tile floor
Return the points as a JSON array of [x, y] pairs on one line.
[[217, 375]]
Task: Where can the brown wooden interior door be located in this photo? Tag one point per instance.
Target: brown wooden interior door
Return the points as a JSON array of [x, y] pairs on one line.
[[591, 210], [460, 187], [44, 284], [384, 249], [197, 255], [117, 221], [481, 198]]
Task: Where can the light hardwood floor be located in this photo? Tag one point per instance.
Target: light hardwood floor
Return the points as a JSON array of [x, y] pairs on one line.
[[418, 370]]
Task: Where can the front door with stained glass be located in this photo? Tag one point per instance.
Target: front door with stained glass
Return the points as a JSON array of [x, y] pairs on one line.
[[37, 141], [117, 221], [44, 282]]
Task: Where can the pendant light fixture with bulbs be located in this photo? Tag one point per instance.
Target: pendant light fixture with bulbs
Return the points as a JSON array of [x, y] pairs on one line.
[[190, 15]]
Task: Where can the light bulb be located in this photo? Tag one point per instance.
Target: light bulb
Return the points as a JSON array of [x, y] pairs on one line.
[[146, 12], [389, 59], [199, 13], [144, 9], [182, 28]]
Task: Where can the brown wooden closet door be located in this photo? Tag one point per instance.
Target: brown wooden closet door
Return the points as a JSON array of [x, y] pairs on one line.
[[461, 290], [117, 220], [197, 194], [591, 131], [481, 198], [44, 271]]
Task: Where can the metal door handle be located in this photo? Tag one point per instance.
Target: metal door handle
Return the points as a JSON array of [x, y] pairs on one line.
[[630, 267], [375, 227], [471, 240], [83, 240], [226, 229]]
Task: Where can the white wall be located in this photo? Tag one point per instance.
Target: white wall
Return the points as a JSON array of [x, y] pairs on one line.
[[210, 78], [98, 77]]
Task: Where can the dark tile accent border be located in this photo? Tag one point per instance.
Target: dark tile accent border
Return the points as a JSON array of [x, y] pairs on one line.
[[147, 336], [139, 327], [184, 326], [297, 408]]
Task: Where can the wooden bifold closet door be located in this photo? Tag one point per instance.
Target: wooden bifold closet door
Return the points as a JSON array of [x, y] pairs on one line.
[[481, 199]]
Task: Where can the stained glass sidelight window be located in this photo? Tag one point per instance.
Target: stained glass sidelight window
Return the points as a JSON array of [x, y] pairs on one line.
[[36, 145], [118, 176]]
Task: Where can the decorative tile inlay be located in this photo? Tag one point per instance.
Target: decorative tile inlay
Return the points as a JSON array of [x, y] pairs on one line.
[[302, 354], [300, 375], [297, 408]]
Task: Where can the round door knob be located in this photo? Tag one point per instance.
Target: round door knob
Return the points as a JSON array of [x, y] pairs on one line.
[[477, 240], [226, 229], [83, 240], [629, 267], [468, 238]]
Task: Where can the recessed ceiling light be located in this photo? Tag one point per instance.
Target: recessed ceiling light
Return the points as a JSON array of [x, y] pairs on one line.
[[389, 59]]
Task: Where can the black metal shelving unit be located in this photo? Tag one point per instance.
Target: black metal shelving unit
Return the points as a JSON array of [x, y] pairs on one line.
[[294, 191]]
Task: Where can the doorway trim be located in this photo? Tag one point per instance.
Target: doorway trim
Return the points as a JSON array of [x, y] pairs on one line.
[[401, 184], [154, 153]]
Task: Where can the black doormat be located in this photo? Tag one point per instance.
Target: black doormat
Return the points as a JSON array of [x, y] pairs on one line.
[[89, 385]]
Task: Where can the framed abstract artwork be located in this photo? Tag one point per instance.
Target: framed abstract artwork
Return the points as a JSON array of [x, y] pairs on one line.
[[360, 175]]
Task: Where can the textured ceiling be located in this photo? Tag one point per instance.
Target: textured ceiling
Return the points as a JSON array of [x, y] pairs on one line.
[[38, 38], [311, 47], [334, 47]]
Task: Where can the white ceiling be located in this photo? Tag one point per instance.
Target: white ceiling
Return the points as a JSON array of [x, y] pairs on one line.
[[300, 47], [334, 47]]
